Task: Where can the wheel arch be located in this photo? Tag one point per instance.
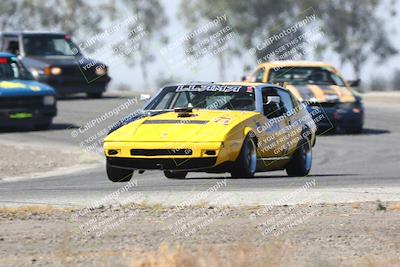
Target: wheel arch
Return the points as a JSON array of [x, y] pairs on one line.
[[309, 137], [249, 131]]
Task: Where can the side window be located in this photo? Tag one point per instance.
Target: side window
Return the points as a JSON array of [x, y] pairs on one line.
[[336, 78], [12, 47], [286, 100], [258, 75], [271, 109]]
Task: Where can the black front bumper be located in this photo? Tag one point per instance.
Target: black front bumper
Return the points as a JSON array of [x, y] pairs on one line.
[[9, 118], [65, 85], [332, 118], [163, 163]]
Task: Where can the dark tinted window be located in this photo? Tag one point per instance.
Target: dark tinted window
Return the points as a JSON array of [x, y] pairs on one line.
[[271, 110], [48, 45], [305, 75], [258, 76], [286, 100], [12, 47], [204, 98], [11, 68]]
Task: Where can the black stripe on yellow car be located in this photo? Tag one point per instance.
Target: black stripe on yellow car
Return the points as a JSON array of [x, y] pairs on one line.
[[344, 94], [318, 92], [305, 92]]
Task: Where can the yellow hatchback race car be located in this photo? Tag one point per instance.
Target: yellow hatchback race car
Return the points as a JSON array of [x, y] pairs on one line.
[[240, 128], [321, 85]]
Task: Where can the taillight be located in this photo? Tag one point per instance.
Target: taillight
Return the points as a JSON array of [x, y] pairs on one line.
[[336, 116], [3, 60]]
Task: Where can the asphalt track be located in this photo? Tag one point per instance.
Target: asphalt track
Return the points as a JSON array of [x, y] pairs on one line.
[[345, 167]]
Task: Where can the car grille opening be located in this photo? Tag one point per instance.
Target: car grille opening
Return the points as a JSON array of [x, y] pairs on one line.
[[21, 102], [161, 152], [323, 104], [112, 152], [210, 152]]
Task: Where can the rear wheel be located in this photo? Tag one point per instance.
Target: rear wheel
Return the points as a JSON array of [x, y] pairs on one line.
[[300, 164], [246, 163], [175, 174], [356, 130], [118, 175]]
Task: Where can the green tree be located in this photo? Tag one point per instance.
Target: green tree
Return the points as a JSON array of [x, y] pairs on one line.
[[259, 20], [73, 17], [211, 33], [143, 32], [17, 15], [254, 23], [354, 30], [378, 83], [77, 18], [396, 80]]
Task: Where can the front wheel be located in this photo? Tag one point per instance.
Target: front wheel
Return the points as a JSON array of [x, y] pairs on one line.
[[95, 95], [118, 175], [300, 164], [175, 174], [43, 126], [246, 163]]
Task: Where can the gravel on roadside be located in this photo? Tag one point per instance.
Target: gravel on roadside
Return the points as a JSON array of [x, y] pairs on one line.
[[355, 234]]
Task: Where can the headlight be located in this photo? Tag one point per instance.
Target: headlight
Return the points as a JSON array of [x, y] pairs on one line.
[[101, 70], [49, 100], [56, 71], [36, 72], [52, 71]]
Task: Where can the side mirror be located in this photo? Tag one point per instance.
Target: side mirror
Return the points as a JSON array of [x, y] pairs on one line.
[[144, 97], [244, 78], [354, 83]]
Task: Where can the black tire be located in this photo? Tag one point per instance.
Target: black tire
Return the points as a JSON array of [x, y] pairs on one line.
[[246, 164], [118, 175], [43, 126], [301, 161], [95, 95], [356, 130], [175, 174]]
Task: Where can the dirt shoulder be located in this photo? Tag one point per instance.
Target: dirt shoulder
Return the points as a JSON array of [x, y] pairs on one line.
[[21, 161], [357, 234]]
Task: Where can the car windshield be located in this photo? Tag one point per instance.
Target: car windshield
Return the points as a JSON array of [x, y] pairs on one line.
[[304, 75], [204, 97], [11, 69], [48, 45]]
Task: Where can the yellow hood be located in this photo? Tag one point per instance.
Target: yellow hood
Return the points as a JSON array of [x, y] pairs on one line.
[[202, 125]]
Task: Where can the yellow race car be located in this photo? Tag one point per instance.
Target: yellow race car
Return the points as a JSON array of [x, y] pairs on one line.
[[240, 128], [321, 85]]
